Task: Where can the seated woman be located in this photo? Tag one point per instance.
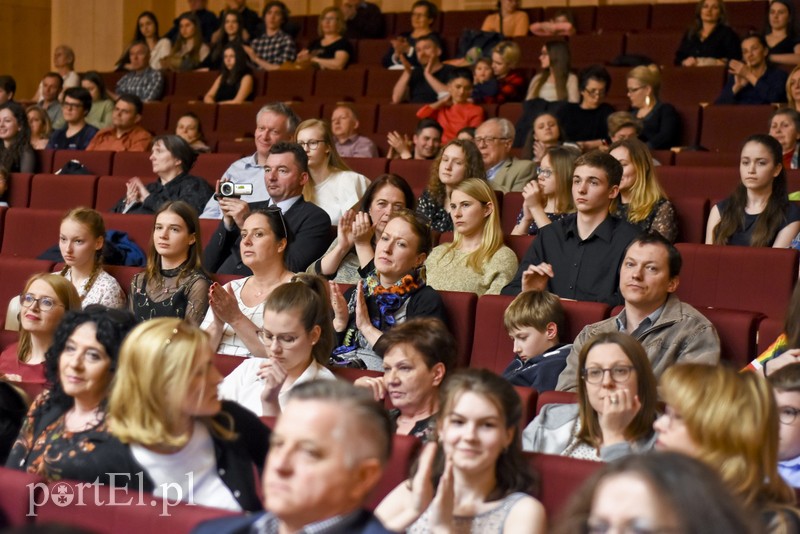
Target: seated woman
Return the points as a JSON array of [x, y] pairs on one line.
[[169, 423], [16, 153], [666, 491], [754, 81], [793, 89], [234, 85], [102, 106], [779, 33], [81, 239], [236, 310], [456, 161], [172, 159], [44, 301], [174, 283], [455, 111], [423, 15], [298, 337], [616, 405], [515, 20], [190, 130], [146, 32], [331, 50], [586, 124], [477, 470], [65, 424], [548, 197], [758, 213], [623, 125], [784, 126], [332, 185], [510, 82], [232, 33], [356, 233], [188, 51], [661, 124], [555, 82], [729, 421], [40, 126], [709, 41], [417, 355], [641, 200], [390, 294], [476, 261], [546, 133]]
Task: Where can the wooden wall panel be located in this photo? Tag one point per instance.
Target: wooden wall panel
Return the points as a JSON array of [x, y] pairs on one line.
[[25, 50]]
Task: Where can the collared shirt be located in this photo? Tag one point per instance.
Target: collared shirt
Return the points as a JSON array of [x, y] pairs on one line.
[[584, 269], [790, 471], [54, 112], [147, 84], [243, 171], [276, 49], [270, 524], [491, 173], [136, 140], [357, 146], [647, 322]]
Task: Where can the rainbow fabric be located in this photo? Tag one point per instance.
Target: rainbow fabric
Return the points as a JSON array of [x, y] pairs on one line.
[[776, 349]]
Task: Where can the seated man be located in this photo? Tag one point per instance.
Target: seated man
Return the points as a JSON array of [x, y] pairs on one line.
[[424, 144], [124, 134], [578, 257], [423, 84], [275, 47], [753, 81], [364, 20], [274, 122], [8, 86], [308, 225], [670, 331], [77, 134], [505, 172], [349, 437], [344, 124], [50, 89], [141, 80]]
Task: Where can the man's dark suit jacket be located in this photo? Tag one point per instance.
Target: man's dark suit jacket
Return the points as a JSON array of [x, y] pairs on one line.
[[366, 523]]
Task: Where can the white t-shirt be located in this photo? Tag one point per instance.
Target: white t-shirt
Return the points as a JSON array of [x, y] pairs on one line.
[[231, 343], [339, 192]]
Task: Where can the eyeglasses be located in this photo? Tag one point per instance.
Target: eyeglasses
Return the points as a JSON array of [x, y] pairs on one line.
[[267, 339], [543, 172], [631, 527], [45, 303], [619, 373], [594, 92], [311, 144], [276, 210], [787, 414], [71, 105], [489, 139], [632, 90]]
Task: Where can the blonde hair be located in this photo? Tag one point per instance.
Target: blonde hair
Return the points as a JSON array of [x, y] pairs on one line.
[[492, 238], [733, 419], [646, 192], [335, 161], [157, 363], [647, 75], [792, 103], [66, 294], [535, 309], [340, 23]]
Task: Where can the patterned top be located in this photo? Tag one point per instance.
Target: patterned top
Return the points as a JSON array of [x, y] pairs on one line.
[[423, 429], [147, 84], [436, 214], [277, 49], [231, 343], [105, 290], [662, 219], [533, 229], [170, 296], [485, 523]]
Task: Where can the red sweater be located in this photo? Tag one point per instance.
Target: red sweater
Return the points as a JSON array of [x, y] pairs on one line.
[[453, 118]]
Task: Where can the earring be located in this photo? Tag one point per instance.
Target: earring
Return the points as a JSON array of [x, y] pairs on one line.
[[647, 101]]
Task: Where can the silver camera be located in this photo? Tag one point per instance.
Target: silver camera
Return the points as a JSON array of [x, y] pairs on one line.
[[230, 189]]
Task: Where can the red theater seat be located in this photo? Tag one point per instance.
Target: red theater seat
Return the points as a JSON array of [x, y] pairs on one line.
[[460, 309], [14, 272], [62, 192], [290, 84], [404, 452], [236, 121], [714, 183], [738, 333], [671, 17], [226, 363], [512, 205], [17, 490], [207, 113], [519, 244], [154, 117], [680, 85], [561, 477], [659, 46], [415, 171], [132, 164], [346, 84], [699, 158], [18, 238], [193, 85], [555, 397], [369, 167], [44, 160], [768, 331], [138, 227], [211, 167], [691, 213], [725, 126], [98, 162], [19, 189], [634, 17], [590, 49], [380, 83], [124, 275]]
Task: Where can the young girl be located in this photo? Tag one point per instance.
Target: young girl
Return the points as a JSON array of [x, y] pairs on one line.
[[454, 111], [232, 33], [548, 197], [298, 336], [234, 85], [81, 239], [174, 284], [102, 106], [758, 213], [545, 133], [190, 130], [477, 467], [555, 82], [484, 85], [476, 260]]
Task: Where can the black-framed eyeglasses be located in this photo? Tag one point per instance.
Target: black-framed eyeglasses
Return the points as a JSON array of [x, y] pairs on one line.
[[543, 172], [311, 144], [71, 105], [618, 373], [489, 139], [595, 92], [635, 526], [45, 303], [787, 414]]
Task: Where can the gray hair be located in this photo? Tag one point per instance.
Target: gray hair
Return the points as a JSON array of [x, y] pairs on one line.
[[279, 108], [507, 129]]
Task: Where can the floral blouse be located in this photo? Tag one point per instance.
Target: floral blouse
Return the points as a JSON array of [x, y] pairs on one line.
[[436, 214], [662, 219]]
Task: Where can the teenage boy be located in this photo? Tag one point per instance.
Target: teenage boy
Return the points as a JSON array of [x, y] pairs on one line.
[[455, 111], [535, 320], [77, 134], [786, 385], [579, 256]]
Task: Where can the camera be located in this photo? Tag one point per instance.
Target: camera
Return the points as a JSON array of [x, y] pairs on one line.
[[232, 190]]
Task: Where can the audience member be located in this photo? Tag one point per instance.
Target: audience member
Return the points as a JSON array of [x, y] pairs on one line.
[[562, 23], [66, 425], [285, 174], [363, 20], [505, 172], [125, 134], [484, 84], [236, 310], [555, 82], [623, 125], [298, 337], [455, 111], [457, 161], [274, 122], [579, 256], [510, 83], [349, 144], [207, 22], [16, 153], [424, 144], [188, 50], [481, 478], [784, 126], [793, 89], [393, 292], [231, 32], [172, 159], [785, 384], [190, 130], [8, 86], [171, 429], [331, 50], [642, 201], [64, 67], [709, 41], [351, 437], [146, 32], [423, 15], [514, 20], [615, 412], [476, 261], [423, 84], [586, 124], [661, 124], [77, 134], [753, 80], [546, 132], [39, 123], [548, 197], [142, 81], [780, 33], [670, 331], [417, 355], [275, 47], [234, 85], [249, 21], [102, 108], [331, 185], [535, 321], [174, 283], [758, 213], [51, 86]]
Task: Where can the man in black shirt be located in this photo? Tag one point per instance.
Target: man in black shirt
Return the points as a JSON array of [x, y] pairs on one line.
[[578, 257], [422, 85]]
